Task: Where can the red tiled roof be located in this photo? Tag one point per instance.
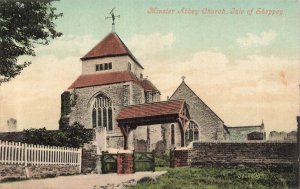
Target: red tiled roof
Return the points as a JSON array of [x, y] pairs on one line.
[[148, 85], [110, 78], [102, 79], [110, 46], [151, 109]]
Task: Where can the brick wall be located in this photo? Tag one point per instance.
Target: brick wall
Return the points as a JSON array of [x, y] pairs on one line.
[[181, 158], [18, 172], [232, 154]]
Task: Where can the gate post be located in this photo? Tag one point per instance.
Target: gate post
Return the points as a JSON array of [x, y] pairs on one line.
[[172, 158]]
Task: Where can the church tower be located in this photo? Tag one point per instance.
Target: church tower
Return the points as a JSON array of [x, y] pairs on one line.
[[111, 79]]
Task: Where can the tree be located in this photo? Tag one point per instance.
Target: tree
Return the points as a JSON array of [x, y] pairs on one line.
[[23, 24]]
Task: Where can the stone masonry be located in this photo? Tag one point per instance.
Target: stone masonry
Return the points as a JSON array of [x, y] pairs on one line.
[[200, 113]]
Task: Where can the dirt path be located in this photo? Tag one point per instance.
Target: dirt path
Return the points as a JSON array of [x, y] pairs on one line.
[[92, 181]]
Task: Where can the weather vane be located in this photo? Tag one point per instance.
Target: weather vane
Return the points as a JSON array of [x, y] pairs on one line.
[[113, 17]]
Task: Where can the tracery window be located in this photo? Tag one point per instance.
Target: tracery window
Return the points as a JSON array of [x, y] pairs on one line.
[[102, 112], [192, 132]]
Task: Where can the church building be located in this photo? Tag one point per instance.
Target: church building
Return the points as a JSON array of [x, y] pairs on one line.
[[112, 94]]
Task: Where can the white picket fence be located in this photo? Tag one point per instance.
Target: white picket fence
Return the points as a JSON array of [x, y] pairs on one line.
[[20, 153]]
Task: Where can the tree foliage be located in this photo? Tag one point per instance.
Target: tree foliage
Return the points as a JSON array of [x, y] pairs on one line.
[[23, 24], [73, 136]]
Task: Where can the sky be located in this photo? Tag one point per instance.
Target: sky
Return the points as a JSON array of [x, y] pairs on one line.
[[240, 57]]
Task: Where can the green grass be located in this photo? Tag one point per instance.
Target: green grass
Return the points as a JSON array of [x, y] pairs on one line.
[[211, 178]]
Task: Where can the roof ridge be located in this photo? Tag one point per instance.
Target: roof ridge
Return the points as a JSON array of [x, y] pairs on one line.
[[196, 96], [150, 103]]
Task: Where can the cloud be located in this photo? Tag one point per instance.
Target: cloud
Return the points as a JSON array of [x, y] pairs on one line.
[[251, 39], [33, 98], [69, 44], [145, 45], [241, 92]]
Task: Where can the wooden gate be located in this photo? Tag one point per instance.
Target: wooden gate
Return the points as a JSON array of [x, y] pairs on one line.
[[109, 163], [143, 161]]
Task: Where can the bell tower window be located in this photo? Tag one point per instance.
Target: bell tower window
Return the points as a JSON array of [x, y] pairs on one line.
[[102, 112], [104, 66]]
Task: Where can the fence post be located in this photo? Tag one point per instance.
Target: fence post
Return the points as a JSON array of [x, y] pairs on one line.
[[25, 153], [79, 158]]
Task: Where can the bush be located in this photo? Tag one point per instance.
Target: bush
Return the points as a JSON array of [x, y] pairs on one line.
[[73, 136], [162, 160]]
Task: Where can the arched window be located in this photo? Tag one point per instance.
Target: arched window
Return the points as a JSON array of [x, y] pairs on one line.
[[192, 132], [102, 112], [172, 134]]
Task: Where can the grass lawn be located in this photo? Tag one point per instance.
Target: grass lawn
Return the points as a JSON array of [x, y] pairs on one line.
[[239, 178]]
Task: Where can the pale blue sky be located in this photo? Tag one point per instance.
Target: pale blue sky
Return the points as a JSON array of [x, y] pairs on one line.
[[192, 32]]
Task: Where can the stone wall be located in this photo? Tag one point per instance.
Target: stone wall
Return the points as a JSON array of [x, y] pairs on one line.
[[200, 113], [81, 101], [90, 161], [241, 133], [238, 153], [18, 172], [283, 136]]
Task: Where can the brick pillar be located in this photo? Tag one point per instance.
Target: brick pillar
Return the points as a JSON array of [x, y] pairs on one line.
[[124, 163]]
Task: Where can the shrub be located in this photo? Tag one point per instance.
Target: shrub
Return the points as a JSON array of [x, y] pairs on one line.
[[73, 136], [162, 160]]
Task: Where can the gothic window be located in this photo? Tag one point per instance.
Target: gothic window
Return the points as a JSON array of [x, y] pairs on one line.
[[102, 112], [172, 134], [192, 132], [126, 95]]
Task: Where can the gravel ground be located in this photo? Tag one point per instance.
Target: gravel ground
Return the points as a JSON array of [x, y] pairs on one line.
[[92, 181]]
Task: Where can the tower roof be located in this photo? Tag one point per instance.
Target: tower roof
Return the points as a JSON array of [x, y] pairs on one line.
[[111, 78], [110, 46]]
